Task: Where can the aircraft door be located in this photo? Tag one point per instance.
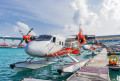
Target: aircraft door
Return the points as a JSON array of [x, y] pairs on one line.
[[54, 39]]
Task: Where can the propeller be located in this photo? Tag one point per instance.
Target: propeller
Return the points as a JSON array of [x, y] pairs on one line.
[[21, 32], [24, 35], [21, 42], [30, 31]]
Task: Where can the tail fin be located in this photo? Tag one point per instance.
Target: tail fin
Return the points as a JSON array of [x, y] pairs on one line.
[[80, 30]]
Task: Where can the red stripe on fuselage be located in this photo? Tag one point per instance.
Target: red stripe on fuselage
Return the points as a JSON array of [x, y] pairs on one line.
[[64, 52]]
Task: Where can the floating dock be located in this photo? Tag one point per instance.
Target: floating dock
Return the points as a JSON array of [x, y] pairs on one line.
[[95, 70]]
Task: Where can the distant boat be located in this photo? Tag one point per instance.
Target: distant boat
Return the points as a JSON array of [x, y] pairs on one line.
[[13, 47], [4, 45]]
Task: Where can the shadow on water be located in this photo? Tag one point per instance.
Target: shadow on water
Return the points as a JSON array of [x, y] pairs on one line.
[[21, 74], [114, 75], [46, 73]]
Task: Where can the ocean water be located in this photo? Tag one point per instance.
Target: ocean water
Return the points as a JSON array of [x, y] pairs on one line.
[[12, 55]]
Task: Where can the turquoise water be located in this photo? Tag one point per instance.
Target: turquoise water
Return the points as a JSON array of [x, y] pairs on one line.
[[12, 55], [114, 75]]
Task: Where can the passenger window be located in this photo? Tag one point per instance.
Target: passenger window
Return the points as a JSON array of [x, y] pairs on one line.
[[62, 43], [59, 42], [54, 39], [69, 44], [66, 44], [72, 44]]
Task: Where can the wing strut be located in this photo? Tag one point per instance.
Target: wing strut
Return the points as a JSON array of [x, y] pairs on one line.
[[75, 60]]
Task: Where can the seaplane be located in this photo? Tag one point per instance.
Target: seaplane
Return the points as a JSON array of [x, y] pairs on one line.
[[52, 47]]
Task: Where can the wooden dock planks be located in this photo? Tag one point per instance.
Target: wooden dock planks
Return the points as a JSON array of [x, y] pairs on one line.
[[95, 70], [99, 61]]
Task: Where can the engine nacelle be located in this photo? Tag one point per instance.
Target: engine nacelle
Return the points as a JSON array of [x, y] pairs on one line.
[[29, 38]]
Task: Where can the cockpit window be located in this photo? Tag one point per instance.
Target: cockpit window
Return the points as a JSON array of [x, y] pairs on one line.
[[44, 38]]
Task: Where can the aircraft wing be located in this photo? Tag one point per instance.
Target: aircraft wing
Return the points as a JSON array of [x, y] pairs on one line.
[[75, 38], [108, 37], [93, 37], [11, 38]]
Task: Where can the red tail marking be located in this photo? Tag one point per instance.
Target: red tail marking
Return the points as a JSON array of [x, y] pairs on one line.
[[80, 30]]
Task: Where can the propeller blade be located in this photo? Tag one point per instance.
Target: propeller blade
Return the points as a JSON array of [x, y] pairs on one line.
[[30, 31], [23, 35], [21, 42], [21, 32]]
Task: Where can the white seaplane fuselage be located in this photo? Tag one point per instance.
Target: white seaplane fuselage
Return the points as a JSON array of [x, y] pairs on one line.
[[42, 47], [45, 46], [49, 46]]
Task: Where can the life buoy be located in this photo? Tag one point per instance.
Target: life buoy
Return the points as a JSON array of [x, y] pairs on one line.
[[113, 61]]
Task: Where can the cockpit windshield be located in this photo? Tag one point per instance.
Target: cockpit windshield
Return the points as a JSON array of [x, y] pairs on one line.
[[44, 38]]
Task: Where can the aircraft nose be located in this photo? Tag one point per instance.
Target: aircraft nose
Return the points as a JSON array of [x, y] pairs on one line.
[[36, 48]]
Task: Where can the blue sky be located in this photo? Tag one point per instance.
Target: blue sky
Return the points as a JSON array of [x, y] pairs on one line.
[[99, 17], [42, 15], [45, 16]]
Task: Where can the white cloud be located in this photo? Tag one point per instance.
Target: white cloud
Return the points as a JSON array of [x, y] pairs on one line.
[[103, 21], [23, 27], [48, 11], [99, 17], [82, 13], [111, 9]]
